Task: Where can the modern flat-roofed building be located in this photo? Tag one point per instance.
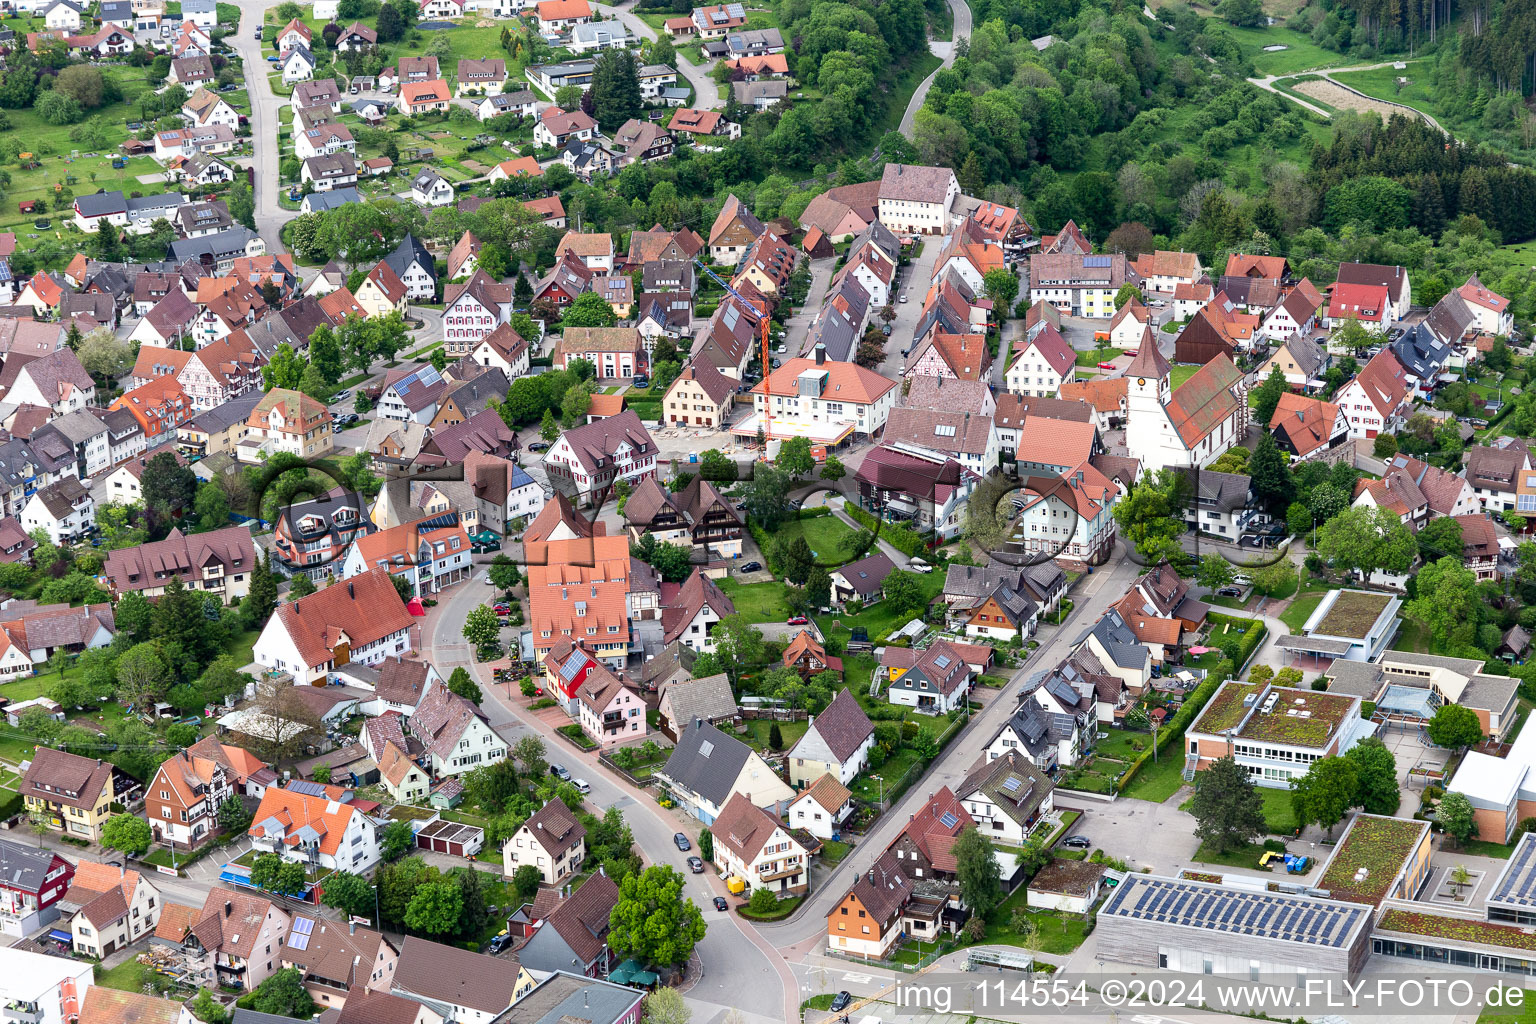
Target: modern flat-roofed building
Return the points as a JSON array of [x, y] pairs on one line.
[[1209, 928], [1274, 732]]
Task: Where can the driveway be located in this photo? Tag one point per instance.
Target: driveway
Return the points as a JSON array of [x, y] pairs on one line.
[[706, 95], [270, 217]]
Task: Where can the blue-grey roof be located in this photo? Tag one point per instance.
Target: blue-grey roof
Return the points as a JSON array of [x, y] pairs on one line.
[[200, 6], [1422, 353], [1117, 639], [162, 201], [408, 251], [101, 204], [231, 242], [23, 867], [706, 761], [519, 477], [320, 201], [564, 996], [222, 417]]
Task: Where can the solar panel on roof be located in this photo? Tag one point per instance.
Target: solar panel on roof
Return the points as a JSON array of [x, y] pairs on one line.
[[942, 661], [1096, 261], [949, 820], [306, 787], [706, 748], [1012, 783]]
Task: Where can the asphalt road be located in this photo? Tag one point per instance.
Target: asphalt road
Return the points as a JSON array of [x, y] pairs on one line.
[[941, 48], [741, 970], [264, 121]]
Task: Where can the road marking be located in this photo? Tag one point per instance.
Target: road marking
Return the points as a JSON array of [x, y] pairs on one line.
[[858, 979]]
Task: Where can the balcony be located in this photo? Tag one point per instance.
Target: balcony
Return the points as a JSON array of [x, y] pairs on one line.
[[24, 1013], [786, 871]]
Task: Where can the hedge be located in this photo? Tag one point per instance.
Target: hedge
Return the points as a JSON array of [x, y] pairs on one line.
[[1251, 639], [903, 538], [1173, 732]]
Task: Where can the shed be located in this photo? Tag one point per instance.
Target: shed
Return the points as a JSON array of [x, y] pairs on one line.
[[1071, 886]]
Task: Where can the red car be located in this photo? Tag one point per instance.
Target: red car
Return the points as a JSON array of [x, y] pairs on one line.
[[796, 620], [1106, 366], [502, 609]]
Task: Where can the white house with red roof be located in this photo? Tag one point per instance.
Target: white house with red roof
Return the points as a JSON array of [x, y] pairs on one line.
[[359, 620], [822, 399], [318, 831], [1371, 304], [1084, 498], [1376, 399], [1044, 363], [1490, 308], [1129, 324]]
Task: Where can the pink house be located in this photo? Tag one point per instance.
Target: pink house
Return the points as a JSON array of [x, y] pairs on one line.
[[610, 711]]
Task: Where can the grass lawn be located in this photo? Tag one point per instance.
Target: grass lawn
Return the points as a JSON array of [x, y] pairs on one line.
[[867, 788], [778, 913], [1300, 611], [759, 602], [1277, 810], [1478, 848], [1412, 635], [1096, 356], [1523, 1014], [128, 976], [1158, 780], [1054, 932], [1300, 53], [880, 618], [833, 852], [832, 541], [1180, 373], [1245, 856], [758, 729]]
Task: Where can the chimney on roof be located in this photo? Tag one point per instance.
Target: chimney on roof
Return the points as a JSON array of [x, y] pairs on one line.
[[352, 593], [821, 355], [229, 908]]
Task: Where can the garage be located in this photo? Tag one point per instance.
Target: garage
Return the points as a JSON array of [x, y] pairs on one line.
[[450, 837]]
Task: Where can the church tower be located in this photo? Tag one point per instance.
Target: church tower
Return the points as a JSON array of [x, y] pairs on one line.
[[1147, 389]]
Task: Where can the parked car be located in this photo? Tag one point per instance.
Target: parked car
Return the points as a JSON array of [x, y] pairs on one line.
[[720, 903], [341, 396], [1229, 592], [840, 1001], [1077, 842], [695, 865], [582, 786], [903, 297], [796, 620], [539, 446], [751, 567], [682, 842], [1106, 366], [498, 943], [502, 609], [560, 772]]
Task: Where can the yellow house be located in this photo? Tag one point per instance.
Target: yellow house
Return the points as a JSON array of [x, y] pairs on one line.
[[71, 793], [382, 292]]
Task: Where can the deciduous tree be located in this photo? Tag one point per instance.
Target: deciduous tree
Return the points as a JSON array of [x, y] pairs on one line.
[[1226, 807], [977, 870], [654, 920]]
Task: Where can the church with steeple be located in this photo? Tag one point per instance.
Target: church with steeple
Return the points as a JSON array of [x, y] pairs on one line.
[[1188, 426]]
